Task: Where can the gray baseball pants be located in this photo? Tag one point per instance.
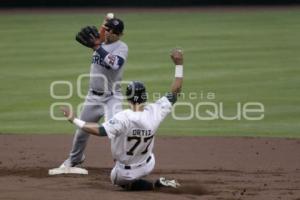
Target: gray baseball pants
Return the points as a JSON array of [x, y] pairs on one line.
[[94, 108]]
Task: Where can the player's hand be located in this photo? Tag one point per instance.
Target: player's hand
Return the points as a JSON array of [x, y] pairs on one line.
[[68, 113], [102, 27], [177, 56]]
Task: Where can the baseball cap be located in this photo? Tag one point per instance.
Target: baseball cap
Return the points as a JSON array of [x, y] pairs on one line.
[[116, 25]]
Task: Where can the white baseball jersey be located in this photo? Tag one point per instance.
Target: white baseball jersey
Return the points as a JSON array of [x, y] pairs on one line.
[[132, 133], [103, 77]]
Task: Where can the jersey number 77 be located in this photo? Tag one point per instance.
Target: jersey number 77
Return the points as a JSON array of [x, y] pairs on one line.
[[146, 140]]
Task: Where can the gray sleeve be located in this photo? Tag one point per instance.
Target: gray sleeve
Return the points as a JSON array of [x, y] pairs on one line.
[[122, 51]]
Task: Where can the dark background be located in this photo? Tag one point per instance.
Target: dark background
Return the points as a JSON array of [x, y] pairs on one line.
[[138, 3]]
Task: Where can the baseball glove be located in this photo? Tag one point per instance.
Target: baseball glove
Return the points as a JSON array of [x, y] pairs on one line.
[[88, 36]]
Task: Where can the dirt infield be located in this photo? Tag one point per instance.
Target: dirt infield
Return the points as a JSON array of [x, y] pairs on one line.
[[207, 167]]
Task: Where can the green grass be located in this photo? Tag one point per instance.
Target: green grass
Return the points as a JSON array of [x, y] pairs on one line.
[[240, 57]]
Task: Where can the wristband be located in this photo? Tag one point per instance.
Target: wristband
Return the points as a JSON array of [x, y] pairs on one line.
[[178, 71], [78, 122]]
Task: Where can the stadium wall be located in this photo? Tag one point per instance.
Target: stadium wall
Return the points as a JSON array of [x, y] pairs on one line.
[[139, 3]]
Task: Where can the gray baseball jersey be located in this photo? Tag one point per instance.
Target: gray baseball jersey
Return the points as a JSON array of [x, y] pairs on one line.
[[132, 133], [107, 70]]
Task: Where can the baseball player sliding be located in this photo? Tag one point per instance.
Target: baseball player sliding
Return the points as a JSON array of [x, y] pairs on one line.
[[132, 133], [108, 60]]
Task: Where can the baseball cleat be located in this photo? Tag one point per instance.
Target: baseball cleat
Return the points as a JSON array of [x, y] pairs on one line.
[[67, 163], [168, 183]]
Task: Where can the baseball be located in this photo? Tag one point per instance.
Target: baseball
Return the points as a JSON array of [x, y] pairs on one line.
[[110, 15]]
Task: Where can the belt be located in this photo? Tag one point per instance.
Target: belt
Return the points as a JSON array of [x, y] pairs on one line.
[[100, 93], [136, 166]]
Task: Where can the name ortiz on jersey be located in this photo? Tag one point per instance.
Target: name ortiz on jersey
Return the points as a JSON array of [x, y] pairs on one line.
[[141, 132]]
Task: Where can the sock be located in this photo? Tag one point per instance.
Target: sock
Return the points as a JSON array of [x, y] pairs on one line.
[[141, 184], [157, 184]]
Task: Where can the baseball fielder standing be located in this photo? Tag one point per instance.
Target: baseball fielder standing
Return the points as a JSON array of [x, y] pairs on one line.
[[132, 133], [106, 71]]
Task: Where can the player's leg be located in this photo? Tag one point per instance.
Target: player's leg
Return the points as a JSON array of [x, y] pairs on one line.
[[130, 179], [91, 112], [142, 184], [139, 184], [128, 182]]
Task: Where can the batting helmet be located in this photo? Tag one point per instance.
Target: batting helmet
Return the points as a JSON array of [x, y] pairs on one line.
[[136, 92], [116, 25]]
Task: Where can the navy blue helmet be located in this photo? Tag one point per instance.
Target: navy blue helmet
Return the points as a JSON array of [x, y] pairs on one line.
[[116, 25], [136, 92]]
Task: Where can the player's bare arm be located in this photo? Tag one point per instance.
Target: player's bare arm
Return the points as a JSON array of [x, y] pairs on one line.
[[89, 127], [177, 57]]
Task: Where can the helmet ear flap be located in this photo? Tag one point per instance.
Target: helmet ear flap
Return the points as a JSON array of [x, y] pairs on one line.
[[129, 92]]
